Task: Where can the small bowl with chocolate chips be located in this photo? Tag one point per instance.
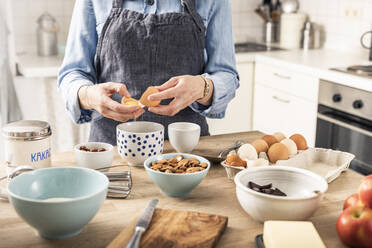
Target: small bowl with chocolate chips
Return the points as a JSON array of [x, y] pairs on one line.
[[279, 192], [177, 174], [94, 155]]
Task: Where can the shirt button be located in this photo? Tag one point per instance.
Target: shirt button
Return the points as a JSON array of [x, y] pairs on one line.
[[150, 2]]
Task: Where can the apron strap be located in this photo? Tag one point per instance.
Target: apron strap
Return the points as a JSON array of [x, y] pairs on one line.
[[118, 4], [189, 7]]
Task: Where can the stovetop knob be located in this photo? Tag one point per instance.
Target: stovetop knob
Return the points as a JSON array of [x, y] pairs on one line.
[[337, 98], [358, 104]]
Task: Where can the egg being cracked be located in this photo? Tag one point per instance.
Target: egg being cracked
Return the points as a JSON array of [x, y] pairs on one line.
[[129, 101], [247, 152], [144, 98]]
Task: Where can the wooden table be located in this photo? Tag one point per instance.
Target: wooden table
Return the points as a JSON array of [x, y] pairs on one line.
[[216, 195]]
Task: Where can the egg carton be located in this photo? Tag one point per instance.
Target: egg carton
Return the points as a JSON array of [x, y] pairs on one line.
[[325, 162]]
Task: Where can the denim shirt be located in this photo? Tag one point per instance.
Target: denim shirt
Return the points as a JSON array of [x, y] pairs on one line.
[[86, 25]]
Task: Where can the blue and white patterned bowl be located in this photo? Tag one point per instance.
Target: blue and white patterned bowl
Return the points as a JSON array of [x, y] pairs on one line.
[[139, 140]]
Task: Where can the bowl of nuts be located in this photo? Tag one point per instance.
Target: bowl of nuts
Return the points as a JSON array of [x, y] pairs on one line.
[[94, 155], [177, 174]]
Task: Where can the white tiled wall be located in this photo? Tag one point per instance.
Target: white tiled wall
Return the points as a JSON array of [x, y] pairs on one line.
[[24, 19], [246, 24], [344, 20]]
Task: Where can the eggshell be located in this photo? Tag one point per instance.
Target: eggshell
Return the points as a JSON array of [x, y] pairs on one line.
[[260, 145], [257, 162], [277, 152], [300, 141], [247, 151], [144, 98], [291, 146], [129, 101], [270, 139], [235, 160], [279, 136]]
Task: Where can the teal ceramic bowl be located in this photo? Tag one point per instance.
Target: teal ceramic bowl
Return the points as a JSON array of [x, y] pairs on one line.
[[75, 196], [176, 185]]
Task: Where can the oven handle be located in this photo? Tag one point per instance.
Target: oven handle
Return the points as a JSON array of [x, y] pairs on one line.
[[343, 124]]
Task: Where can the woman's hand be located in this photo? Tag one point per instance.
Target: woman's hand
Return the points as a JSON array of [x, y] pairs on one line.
[[185, 90], [97, 97]]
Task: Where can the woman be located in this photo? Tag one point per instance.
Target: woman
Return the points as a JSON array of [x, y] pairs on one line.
[[119, 48]]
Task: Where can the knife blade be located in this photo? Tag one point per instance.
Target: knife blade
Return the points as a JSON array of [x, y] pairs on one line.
[[142, 224]]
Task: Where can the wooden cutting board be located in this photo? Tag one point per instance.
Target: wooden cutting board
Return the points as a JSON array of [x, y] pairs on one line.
[[210, 146], [176, 229]]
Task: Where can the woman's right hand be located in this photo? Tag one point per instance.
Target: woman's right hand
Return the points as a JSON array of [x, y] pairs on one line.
[[98, 97]]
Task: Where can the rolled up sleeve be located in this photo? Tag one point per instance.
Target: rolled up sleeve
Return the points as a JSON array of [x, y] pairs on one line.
[[78, 69], [220, 65]]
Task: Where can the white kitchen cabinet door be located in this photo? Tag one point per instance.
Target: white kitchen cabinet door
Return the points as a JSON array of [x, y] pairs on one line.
[[239, 111], [277, 111]]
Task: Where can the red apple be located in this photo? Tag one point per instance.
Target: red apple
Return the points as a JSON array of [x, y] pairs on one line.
[[365, 191], [354, 226], [351, 201]]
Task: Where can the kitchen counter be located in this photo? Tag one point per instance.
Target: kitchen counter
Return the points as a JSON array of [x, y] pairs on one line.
[[216, 195], [315, 63]]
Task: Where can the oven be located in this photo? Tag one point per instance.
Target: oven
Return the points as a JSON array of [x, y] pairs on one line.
[[345, 123]]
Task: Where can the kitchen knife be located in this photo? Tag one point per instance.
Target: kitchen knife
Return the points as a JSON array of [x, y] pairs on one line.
[[142, 224]]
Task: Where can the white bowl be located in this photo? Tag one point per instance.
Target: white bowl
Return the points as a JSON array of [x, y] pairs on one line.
[[299, 185], [139, 140], [183, 136], [94, 160]]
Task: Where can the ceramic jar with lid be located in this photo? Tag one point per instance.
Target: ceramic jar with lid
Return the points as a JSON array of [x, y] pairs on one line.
[[27, 142]]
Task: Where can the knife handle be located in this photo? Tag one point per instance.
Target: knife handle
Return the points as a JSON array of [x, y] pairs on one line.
[[134, 242]]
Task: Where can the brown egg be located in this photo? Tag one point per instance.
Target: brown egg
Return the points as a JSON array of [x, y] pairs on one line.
[[300, 141], [260, 145], [129, 101], [144, 98], [270, 140], [235, 160], [279, 136], [277, 152]]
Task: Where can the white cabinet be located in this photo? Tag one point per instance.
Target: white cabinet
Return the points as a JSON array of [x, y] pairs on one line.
[[239, 111], [285, 101]]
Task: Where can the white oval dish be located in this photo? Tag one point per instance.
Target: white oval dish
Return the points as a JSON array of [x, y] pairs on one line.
[[299, 185]]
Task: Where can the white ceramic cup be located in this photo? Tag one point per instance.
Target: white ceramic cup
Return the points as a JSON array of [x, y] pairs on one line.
[[184, 136], [94, 160], [139, 140]]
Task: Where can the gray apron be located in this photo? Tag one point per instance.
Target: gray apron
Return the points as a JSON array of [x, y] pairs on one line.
[[140, 50]]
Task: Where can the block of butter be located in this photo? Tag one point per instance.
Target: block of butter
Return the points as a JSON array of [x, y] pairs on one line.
[[291, 234]]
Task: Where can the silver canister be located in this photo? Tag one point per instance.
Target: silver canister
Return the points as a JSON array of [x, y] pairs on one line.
[[47, 30], [271, 32], [27, 142]]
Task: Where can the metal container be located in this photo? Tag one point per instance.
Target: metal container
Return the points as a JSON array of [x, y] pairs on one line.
[[46, 32], [271, 32], [290, 6], [311, 36], [27, 142]]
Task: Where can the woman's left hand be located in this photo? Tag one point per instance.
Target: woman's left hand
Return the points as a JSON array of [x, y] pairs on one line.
[[184, 89]]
